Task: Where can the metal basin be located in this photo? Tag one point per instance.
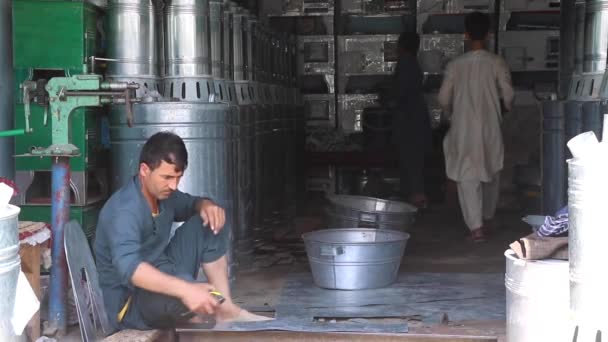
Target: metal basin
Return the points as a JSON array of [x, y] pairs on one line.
[[368, 212], [355, 258]]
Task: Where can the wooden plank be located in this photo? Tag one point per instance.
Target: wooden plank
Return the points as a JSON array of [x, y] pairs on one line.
[[141, 336], [286, 336]]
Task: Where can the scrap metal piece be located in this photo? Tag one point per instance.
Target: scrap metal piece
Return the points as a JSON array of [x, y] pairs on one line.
[[92, 316]]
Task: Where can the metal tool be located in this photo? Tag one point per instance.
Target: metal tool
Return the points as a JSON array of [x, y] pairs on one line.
[[61, 95], [217, 295]]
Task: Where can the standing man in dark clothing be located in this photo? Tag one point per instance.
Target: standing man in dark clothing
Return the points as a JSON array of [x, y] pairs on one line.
[[412, 126]]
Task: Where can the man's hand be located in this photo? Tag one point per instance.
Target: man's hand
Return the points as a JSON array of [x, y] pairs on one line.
[[213, 215], [198, 299]]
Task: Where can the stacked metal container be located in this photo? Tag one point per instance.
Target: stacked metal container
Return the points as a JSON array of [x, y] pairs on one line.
[[204, 118], [529, 35], [133, 40]]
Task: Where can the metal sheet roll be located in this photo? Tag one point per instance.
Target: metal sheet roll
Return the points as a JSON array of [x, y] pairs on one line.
[[239, 44], [216, 21], [227, 36], [579, 8], [567, 46]]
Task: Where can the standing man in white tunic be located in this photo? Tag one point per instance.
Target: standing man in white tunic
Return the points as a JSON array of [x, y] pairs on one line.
[[471, 91]]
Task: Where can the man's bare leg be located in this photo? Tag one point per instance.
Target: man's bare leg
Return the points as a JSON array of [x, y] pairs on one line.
[[217, 273]]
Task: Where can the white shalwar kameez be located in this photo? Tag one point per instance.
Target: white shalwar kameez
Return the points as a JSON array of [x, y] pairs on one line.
[[472, 88]]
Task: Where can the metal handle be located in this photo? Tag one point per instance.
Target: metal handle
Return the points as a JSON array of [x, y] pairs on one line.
[[331, 251], [11, 133], [368, 217], [28, 87]]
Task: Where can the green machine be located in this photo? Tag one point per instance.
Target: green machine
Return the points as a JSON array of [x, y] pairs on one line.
[[55, 39]]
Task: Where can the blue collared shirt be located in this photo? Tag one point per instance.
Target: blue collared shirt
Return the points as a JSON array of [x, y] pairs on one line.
[[127, 235]]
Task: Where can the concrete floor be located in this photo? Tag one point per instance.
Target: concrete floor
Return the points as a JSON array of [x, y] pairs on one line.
[[438, 244]]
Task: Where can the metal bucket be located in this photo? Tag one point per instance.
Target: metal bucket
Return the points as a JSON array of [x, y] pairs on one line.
[[368, 212], [536, 290], [587, 238], [10, 265], [355, 258]]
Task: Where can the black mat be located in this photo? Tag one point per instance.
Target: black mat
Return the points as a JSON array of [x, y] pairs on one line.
[[426, 297]]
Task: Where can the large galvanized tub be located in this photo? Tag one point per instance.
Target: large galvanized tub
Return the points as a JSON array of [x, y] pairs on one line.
[[348, 211], [537, 299], [10, 265], [355, 258]]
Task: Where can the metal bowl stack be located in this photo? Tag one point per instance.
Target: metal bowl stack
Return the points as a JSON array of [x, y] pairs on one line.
[[367, 212]]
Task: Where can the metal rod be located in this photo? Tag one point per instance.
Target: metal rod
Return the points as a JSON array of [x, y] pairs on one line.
[[12, 133], [60, 213]]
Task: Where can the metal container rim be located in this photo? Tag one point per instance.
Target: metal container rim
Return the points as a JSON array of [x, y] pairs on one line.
[[11, 212], [399, 236], [511, 256]]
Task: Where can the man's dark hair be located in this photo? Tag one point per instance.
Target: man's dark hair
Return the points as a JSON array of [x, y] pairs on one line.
[[409, 41], [164, 146], [477, 25]]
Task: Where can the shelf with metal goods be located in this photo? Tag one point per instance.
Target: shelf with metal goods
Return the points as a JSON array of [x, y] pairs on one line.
[[297, 8], [316, 63], [536, 8], [529, 37], [371, 7], [433, 13], [365, 62]]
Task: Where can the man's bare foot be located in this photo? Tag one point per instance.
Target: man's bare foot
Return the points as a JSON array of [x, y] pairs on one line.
[[233, 313]]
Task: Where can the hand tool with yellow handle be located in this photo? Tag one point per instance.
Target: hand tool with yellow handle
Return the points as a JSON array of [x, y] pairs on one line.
[[124, 310]]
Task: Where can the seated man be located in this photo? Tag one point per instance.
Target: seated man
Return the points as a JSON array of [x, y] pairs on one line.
[[147, 277]]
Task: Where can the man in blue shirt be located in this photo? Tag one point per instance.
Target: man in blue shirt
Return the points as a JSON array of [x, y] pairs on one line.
[[147, 277]]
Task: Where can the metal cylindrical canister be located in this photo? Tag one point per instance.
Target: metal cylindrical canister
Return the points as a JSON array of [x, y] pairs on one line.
[[553, 157], [579, 8], [239, 44], [159, 9], [567, 46], [187, 38], [596, 36], [216, 18], [188, 51], [227, 37], [131, 40], [254, 46], [593, 117]]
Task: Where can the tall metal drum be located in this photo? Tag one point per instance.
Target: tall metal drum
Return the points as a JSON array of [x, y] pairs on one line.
[[208, 132]]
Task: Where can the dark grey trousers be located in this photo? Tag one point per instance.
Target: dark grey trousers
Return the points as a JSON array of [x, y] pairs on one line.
[[191, 245]]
